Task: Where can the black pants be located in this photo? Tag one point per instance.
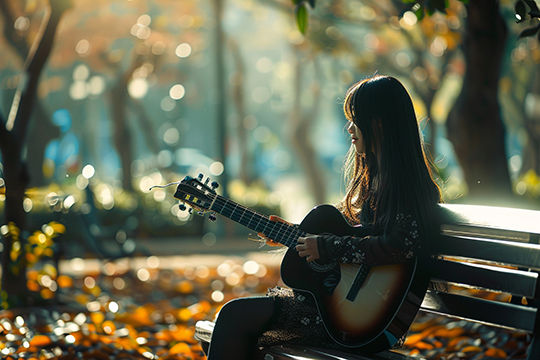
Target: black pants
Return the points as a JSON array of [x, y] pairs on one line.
[[238, 326]]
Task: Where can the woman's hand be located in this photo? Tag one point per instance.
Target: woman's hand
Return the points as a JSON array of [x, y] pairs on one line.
[[307, 247], [271, 242]]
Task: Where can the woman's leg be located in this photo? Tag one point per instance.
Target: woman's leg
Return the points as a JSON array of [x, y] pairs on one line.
[[238, 326]]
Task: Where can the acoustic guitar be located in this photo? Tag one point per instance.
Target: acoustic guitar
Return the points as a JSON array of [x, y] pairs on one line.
[[365, 308]]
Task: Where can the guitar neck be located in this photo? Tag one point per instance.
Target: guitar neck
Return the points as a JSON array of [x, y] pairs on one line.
[[279, 232]]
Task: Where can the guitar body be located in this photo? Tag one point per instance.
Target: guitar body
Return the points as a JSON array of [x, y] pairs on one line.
[[364, 308], [371, 318]]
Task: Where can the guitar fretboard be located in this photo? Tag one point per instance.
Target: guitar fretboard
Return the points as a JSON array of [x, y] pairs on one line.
[[279, 232]]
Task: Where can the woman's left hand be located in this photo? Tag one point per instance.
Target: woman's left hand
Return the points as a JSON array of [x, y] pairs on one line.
[[307, 247]]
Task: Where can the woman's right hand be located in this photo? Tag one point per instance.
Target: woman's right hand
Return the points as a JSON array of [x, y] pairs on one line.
[[271, 242]]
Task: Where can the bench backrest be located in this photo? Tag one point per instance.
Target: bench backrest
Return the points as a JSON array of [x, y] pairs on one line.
[[493, 249]]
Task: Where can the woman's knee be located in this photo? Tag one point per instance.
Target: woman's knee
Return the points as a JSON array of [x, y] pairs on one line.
[[251, 308]]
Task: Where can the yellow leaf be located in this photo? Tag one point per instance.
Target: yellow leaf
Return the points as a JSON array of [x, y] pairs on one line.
[[97, 318], [57, 227], [180, 348]]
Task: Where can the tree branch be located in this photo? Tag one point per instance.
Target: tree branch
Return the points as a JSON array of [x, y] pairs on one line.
[[19, 115], [3, 131], [9, 30]]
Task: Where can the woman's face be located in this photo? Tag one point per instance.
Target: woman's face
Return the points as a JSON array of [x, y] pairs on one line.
[[356, 137]]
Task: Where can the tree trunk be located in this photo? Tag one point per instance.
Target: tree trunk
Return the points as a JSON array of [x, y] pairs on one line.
[[474, 124], [300, 125], [121, 133], [41, 133], [43, 130], [237, 94], [221, 117], [145, 124], [13, 134], [531, 149]]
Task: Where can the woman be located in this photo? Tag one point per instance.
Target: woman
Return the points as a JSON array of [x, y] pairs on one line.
[[390, 192]]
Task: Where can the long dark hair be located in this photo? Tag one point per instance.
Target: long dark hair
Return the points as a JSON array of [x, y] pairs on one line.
[[394, 175]]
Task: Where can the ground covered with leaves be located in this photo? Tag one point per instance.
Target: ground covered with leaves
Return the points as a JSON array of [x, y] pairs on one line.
[[124, 310]]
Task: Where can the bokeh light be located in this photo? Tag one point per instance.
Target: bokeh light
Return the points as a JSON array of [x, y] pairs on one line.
[[88, 171], [138, 88], [183, 50], [177, 92]]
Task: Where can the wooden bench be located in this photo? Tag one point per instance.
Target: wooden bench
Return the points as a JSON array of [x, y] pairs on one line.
[[489, 248]]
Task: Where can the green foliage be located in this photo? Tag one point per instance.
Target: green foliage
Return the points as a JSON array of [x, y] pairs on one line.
[[420, 8], [428, 7], [26, 254], [301, 17], [527, 9], [301, 13]]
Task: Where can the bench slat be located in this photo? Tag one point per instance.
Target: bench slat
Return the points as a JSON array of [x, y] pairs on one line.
[[503, 252], [519, 220], [313, 353], [516, 282], [512, 316]]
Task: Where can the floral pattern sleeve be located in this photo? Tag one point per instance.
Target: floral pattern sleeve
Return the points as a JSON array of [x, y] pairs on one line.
[[401, 244]]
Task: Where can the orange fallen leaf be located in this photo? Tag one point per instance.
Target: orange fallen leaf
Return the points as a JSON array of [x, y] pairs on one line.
[[180, 348], [40, 340], [424, 345], [421, 326], [185, 287], [496, 353], [471, 348], [414, 352], [97, 318], [65, 281], [449, 333], [106, 339], [163, 335], [413, 339]]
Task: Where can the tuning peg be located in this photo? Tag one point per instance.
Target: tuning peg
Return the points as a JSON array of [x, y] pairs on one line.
[[200, 177], [214, 185], [207, 180], [212, 217], [190, 210], [182, 207], [200, 213]]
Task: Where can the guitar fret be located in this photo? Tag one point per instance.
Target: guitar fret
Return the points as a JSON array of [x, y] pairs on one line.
[[261, 224], [226, 211], [234, 215], [277, 231], [249, 222], [270, 233], [241, 216], [290, 237], [259, 228], [217, 207]]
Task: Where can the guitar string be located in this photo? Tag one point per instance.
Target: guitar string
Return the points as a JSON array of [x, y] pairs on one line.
[[347, 271], [291, 239], [290, 233]]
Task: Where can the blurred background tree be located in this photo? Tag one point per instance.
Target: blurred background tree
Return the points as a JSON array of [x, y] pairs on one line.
[[141, 93], [13, 139]]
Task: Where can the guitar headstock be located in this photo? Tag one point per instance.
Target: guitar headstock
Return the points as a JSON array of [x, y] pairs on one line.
[[197, 194]]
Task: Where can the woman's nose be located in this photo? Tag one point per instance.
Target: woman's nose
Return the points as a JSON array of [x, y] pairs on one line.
[[351, 127]]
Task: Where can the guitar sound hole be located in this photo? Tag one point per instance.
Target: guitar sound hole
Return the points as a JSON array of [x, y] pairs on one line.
[[321, 267], [327, 281]]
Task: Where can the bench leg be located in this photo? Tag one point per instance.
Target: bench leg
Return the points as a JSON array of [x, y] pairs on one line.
[[534, 348], [205, 346]]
